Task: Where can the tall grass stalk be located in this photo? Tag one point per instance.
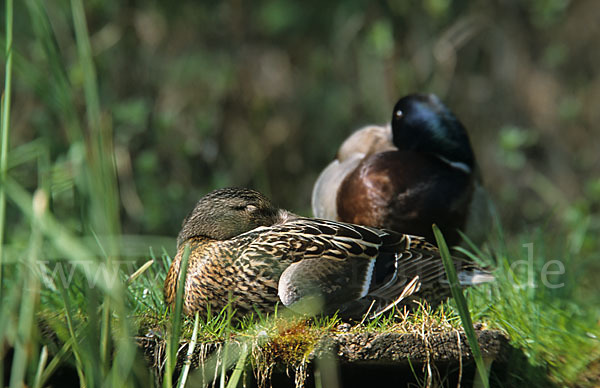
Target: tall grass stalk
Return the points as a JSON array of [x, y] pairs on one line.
[[239, 366], [37, 382], [58, 360], [61, 93], [463, 309], [73, 337], [224, 360], [105, 207], [190, 353], [85, 56], [6, 99], [4, 128], [24, 340], [176, 317]]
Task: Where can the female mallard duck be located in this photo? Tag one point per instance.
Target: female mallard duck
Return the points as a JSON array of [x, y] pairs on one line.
[[246, 252], [405, 177]]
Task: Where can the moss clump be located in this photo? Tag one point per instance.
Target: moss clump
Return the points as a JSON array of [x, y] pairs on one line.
[[289, 344], [292, 342]]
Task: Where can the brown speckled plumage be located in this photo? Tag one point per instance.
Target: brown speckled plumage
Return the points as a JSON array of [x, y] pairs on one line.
[[217, 274], [277, 257]]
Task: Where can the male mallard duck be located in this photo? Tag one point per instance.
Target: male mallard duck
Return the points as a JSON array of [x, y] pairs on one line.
[[405, 177], [245, 251]]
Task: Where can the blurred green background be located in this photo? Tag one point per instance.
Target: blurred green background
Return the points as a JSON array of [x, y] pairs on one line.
[[201, 95]]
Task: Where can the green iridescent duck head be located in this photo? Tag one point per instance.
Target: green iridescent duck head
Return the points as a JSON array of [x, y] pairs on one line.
[[422, 123], [225, 213]]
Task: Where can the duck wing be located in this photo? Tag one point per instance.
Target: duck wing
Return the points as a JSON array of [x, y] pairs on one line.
[[332, 264]]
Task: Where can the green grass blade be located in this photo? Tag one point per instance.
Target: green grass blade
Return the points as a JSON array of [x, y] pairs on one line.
[[224, 365], [85, 55], [239, 367], [105, 357], [176, 318], [26, 316], [105, 207], [75, 343], [190, 353], [6, 97], [62, 99], [7, 309], [178, 313], [140, 271], [37, 382], [56, 361], [28, 301], [463, 309]]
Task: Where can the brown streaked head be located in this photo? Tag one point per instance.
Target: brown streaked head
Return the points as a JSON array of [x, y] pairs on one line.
[[228, 212]]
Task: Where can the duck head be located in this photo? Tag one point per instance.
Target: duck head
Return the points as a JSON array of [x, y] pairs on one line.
[[225, 213], [423, 123]]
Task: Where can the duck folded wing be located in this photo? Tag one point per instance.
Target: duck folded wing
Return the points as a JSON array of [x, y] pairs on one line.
[[330, 265], [314, 285]]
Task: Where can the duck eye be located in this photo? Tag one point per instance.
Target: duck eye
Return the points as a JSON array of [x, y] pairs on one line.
[[251, 208], [398, 114]]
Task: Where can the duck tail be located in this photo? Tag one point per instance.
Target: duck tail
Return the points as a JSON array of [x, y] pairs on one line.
[[473, 277]]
